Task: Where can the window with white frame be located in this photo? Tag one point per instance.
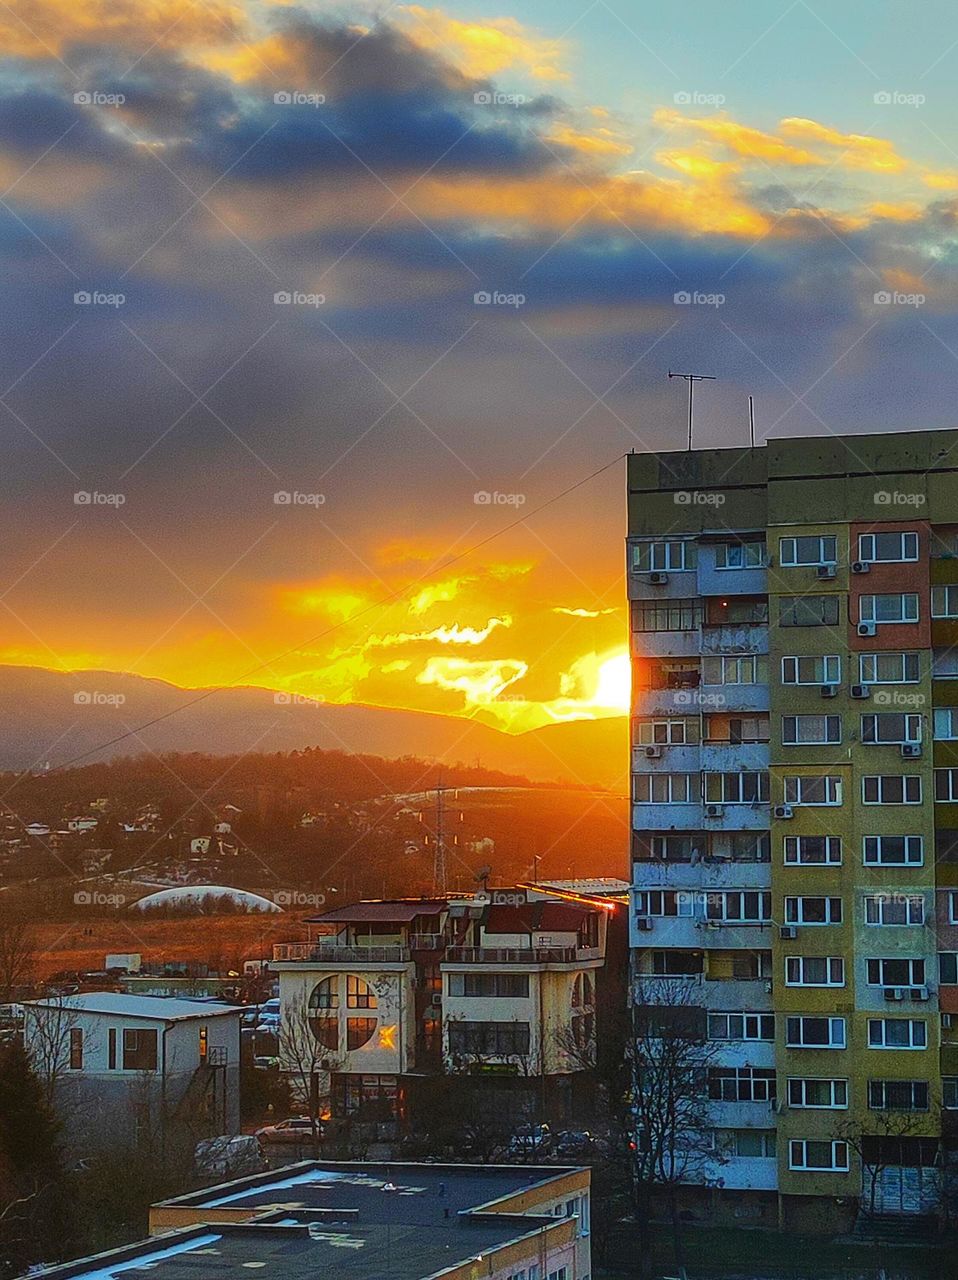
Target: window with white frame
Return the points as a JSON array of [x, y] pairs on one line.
[[814, 971], [944, 664], [813, 851], [893, 851], [948, 968], [811, 730], [650, 732], [812, 1032], [735, 668], [888, 548], [741, 1084], [815, 1155], [741, 1026], [946, 785], [894, 909], [895, 971], [810, 1093], [891, 788], [819, 668], [808, 611], [898, 1095], [739, 906], [888, 608], [746, 1143], [664, 902], [812, 910], [664, 788], [897, 1033], [736, 788], [666, 615], [663, 556], [953, 906], [946, 724], [889, 668], [890, 728], [949, 1093], [944, 602], [811, 550], [741, 555], [813, 789]]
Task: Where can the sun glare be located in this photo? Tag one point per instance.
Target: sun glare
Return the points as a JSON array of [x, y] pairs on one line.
[[614, 685]]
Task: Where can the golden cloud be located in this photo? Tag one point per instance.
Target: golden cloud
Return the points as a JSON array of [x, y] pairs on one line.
[[483, 49]]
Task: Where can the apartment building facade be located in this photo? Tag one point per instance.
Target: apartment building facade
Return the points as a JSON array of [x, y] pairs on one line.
[[794, 611]]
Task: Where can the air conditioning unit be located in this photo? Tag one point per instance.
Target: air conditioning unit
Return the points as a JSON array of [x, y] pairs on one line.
[[436, 998], [918, 993], [861, 566], [867, 629], [861, 690], [643, 923], [658, 579], [893, 993], [652, 753], [713, 811], [825, 571], [910, 750], [829, 690], [782, 811], [788, 932]]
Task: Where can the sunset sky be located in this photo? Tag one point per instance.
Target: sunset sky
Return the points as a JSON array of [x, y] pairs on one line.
[[792, 168]]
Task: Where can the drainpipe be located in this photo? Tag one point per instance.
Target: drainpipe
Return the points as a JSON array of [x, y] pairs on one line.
[[166, 1028]]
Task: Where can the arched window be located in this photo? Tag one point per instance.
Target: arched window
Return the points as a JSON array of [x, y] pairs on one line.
[[324, 1013], [359, 995]]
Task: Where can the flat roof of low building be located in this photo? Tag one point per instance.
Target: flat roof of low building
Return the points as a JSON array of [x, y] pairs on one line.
[[122, 1005]]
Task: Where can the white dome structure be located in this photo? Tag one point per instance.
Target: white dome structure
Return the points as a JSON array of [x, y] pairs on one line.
[[193, 899]]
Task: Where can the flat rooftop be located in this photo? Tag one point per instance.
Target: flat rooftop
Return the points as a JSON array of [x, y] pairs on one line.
[[121, 1005]]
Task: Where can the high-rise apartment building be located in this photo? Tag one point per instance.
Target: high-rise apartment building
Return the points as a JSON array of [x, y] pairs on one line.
[[794, 617]]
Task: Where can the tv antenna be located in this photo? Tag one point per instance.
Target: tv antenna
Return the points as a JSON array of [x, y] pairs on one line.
[[692, 379]]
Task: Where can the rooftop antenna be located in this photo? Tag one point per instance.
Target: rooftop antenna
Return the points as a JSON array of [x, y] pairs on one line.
[[751, 421], [439, 882], [692, 379]]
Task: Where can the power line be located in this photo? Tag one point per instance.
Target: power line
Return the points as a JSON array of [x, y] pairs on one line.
[[389, 598]]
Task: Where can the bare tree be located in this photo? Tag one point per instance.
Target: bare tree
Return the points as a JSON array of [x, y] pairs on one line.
[[309, 1063], [17, 950], [878, 1140], [48, 1037]]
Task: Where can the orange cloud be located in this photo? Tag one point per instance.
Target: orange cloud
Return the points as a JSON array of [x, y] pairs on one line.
[[44, 28], [738, 138], [859, 151], [483, 49]]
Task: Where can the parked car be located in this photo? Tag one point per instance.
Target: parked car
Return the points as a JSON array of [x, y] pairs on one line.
[[574, 1142], [296, 1129], [530, 1140], [266, 1062], [233, 1157]]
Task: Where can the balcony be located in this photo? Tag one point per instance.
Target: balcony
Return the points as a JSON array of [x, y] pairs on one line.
[[334, 953], [735, 637], [426, 941], [520, 955]]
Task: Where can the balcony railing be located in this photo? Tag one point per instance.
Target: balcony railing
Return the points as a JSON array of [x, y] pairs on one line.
[[426, 941], [334, 953], [519, 955]]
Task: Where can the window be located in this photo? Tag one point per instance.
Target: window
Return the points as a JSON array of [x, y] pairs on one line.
[[944, 602], [813, 851], [139, 1049], [895, 972], [741, 1084], [949, 1093], [893, 851], [894, 908], [810, 1094], [891, 788], [889, 668], [742, 668], [493, 1039], [676, 964], [808, 611], [739, 906], [736, 788], [664, 732], [887, 548], [677, 848], [204, 1043], [944, 664], [898, 1095], [946, 724], [736, 729], [741, 555], [664, 902], [359, 1031], [814, 1033], [946, 785], [359, 995], [512, 986], [816, 669], [663, 788], [813, 910], [953, 906], [890, 728], [325, 995], [888, 608], [948, 968], [808, 551], [810, 730], [325, 1027], [818, 1155], [111, 1048], [813, 789], [662, 556], [666, 615], [746, 1143], [741, 1026], [76, 1048], [814, 971], [897, 1033]]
